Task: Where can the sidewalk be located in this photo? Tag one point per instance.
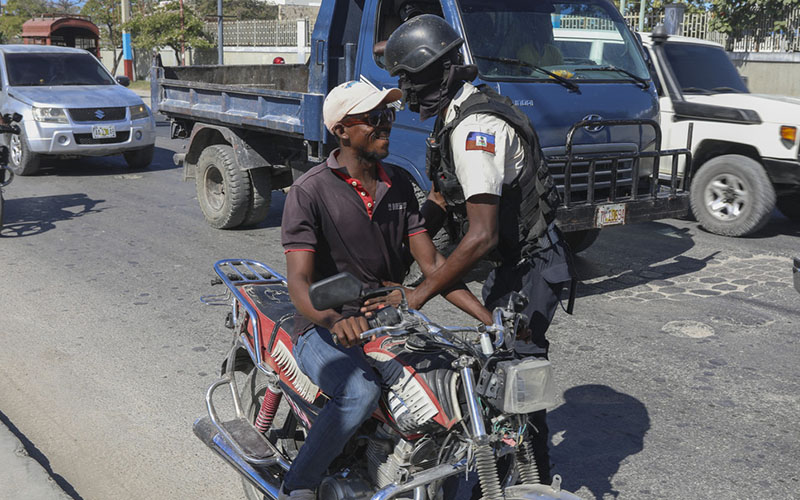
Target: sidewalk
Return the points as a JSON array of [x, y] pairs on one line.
[[22, 477]]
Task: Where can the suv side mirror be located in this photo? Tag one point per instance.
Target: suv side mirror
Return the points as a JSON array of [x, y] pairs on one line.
[[123, 80]]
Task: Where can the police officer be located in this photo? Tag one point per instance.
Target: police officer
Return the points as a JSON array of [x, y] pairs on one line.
[[490, 181]]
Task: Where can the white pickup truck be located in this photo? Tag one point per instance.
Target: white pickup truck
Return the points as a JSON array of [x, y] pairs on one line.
[[744, 146]]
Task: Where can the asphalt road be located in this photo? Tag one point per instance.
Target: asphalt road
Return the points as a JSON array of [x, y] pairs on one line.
[[678, 371]]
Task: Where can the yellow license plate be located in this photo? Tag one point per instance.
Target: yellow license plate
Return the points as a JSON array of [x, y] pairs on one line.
[[610, 215], [104, 132]]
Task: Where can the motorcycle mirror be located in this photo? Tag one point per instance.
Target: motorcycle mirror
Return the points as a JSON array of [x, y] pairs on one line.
[[334, 291]]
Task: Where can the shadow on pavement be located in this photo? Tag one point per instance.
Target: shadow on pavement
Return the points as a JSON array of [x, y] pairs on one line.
[[37, 455], [36, 215], [658, 256], [104, 165], [594, 431]]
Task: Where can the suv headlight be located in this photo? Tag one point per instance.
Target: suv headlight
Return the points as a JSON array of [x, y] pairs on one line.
[[50, 115], [138, 112]]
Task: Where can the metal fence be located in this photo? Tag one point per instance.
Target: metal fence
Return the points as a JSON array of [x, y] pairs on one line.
[[259, 33], [760, 38]]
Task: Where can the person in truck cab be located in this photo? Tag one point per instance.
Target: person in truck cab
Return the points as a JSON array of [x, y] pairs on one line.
[[352, 214], [490, 178]]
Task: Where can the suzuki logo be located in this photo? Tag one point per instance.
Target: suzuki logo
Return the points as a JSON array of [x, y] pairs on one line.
[[99, 114], [593, 128]]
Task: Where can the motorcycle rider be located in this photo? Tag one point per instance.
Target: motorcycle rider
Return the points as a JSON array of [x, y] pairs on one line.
[[490, 178], [352, 214]]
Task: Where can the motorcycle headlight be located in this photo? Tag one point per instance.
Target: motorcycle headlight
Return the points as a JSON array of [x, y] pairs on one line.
[[139, 111], [50, 115], [519, 386]]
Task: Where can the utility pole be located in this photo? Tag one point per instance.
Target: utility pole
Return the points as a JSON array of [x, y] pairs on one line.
[[622, 9], [220, 42], [127, 50], [183, 58], [642, 7]]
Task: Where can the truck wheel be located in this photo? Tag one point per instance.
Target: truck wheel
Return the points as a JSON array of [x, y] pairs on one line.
[[441, 241], [789, 205], [261, 181], [731, 195], [140, 158], [579, 241], [20, 158], [223, 190]]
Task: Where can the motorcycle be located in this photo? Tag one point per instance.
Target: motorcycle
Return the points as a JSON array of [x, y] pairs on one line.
[[454, 399], [6, 174]]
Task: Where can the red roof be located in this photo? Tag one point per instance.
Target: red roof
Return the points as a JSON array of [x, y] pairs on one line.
[[44, 26]]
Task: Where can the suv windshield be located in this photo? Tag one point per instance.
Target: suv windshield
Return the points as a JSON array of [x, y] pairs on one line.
[[703, 69], [42, 69], [580, 40]]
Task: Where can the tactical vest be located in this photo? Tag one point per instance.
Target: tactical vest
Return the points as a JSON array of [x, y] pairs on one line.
[[527, 206]]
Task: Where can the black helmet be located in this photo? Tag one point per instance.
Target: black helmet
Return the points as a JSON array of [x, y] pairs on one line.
[[419, 42]]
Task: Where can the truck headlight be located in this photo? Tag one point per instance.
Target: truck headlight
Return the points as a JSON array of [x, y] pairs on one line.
[[50, 115], [138, 112]]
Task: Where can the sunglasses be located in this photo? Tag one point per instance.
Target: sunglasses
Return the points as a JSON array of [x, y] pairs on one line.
[[372, 118]]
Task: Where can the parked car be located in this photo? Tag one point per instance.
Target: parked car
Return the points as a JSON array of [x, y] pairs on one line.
[[745, 156], [71, 107]]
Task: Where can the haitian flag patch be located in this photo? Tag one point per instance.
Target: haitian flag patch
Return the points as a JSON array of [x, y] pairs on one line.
[[479, 141]]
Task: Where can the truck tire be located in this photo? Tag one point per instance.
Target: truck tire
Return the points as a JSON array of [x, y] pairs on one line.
[[139, 159], [261, 197], [579, 241], [223, 190], [20, 158], [441, 241], [732, 195], [789, 205]]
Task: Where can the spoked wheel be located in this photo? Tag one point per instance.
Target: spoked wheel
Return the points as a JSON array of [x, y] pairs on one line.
[[282, 432]]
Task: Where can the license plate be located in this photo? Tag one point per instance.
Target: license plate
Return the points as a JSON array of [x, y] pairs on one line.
[[104, 132], [610, 215]]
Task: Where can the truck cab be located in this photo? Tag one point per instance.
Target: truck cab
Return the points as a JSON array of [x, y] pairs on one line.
[[745, 148]]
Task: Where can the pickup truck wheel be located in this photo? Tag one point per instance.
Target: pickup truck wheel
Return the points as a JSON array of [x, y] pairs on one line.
[[579, 241], [140, 158], [441, 241], [261, 181], [20, 158], [223, 190], [732, 195], [789, 205]]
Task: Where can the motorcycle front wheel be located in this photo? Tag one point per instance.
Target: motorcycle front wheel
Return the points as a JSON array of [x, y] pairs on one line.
[[285, 433]]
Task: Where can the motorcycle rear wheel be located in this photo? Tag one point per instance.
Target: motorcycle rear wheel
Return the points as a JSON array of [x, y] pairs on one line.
[[284, 424]]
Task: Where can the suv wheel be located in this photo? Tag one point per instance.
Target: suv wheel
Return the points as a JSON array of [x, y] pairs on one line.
[[20, 158]]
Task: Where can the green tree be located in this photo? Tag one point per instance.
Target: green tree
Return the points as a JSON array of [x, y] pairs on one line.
[[237, 9], [736, 17], [16, 12], [163, 27], [106, 15]]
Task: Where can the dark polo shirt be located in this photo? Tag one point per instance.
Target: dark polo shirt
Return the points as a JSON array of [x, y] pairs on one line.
[[330, 214]]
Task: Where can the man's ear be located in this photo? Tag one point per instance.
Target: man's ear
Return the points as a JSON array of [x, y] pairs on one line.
[[340, 132]]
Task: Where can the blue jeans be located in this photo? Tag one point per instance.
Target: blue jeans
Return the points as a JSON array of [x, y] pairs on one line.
[[354, 388]]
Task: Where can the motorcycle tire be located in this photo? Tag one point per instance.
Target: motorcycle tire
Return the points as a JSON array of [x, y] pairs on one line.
[[2, 205]]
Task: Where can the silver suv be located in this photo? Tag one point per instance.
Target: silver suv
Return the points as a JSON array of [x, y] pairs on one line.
[[71, 107]]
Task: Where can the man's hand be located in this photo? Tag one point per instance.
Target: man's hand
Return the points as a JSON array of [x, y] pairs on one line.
[[348, 330], [392, 298]]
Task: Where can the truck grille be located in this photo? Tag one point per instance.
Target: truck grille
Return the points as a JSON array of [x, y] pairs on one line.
[[606, 187], [97, 114], [88, 139]]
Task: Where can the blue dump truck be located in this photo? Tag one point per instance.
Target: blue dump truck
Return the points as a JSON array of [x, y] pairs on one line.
[[590, 97]]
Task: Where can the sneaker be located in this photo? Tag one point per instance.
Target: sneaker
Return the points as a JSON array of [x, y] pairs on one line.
[[296, 495]]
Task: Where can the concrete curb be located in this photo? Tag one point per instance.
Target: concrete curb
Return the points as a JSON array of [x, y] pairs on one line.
[[23, 477]]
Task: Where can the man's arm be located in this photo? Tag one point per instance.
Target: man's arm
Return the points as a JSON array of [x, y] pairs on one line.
[[429, 260], [300, 275], [481, 237]]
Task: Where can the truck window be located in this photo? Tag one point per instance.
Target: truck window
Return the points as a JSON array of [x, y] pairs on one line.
[[653, 72], [47, 69], [392, 13], [703, 69], [575, 39]]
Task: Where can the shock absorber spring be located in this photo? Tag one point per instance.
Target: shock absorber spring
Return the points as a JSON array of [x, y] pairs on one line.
[[269, 406], [487, 472], [526, 464]]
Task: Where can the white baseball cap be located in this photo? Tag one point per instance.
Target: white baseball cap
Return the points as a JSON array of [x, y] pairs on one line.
[[354, 97]]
